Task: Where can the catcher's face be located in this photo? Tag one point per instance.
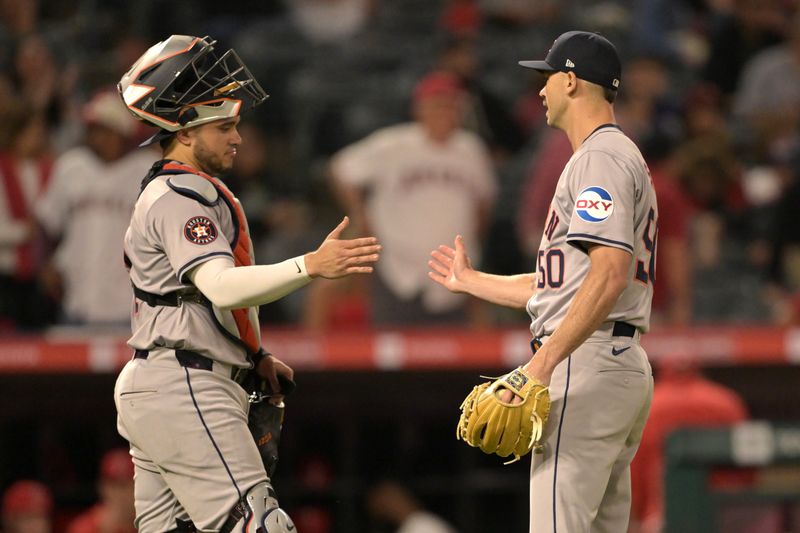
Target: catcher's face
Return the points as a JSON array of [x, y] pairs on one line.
[[216, 144]]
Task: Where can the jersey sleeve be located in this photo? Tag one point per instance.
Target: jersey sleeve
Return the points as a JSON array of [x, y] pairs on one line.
[[359, 163], [189, 232], [52, 207], [487, 181], [604, 202]]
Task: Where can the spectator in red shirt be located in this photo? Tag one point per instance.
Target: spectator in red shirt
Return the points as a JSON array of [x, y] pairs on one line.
[[114, 513], [537, 190], [682, 398], [25, 165], [27, 508], [672, 296]]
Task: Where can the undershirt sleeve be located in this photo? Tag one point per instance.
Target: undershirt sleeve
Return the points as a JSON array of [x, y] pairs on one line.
[[232, 287]]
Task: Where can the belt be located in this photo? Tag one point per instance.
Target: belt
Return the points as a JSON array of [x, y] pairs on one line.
[[623, 329], [170, 299], [190, 359], [620, 329]]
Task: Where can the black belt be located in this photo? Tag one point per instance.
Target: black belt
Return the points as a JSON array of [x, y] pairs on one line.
[[623, 329], [170, 299], [186, 358]]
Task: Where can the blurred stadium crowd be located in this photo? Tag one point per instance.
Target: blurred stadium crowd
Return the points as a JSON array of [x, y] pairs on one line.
[[710, 91]]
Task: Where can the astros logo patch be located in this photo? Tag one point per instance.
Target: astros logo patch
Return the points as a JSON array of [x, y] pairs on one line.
[[200, 230], [594, 204]]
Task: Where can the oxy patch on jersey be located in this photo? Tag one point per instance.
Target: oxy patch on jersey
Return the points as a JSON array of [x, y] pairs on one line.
[[594, 204], [200, 230]]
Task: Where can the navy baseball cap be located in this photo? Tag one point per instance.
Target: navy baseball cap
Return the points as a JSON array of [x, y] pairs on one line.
[[590, 56]]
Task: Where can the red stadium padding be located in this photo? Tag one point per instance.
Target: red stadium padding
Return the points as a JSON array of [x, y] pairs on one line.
[[407, 349]]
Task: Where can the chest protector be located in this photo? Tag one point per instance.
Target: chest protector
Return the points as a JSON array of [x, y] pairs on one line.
[[242, 248]]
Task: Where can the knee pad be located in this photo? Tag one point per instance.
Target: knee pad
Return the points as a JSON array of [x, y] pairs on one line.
[[258, 512]]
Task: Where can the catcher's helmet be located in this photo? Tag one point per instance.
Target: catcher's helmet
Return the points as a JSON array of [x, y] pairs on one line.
[[182, 82]]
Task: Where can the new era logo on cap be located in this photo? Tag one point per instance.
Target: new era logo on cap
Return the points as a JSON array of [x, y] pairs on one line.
[[590, 56]]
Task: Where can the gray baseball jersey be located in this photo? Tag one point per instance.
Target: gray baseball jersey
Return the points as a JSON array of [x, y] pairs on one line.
[[187, 425], [169, 234], [604, 196], [601, 393]]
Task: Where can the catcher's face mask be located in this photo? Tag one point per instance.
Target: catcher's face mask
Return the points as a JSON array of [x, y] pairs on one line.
[[182, 82]]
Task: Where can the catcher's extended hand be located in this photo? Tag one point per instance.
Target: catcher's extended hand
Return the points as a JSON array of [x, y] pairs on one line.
[[505, 428]]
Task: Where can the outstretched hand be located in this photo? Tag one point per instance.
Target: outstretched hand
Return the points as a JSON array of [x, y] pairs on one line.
[[337, 257], [450, 266]]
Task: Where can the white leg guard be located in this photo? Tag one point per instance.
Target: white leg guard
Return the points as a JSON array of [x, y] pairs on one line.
[[258, 512]]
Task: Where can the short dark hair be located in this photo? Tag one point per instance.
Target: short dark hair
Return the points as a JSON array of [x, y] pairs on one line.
[[166, 142], [609, 94]]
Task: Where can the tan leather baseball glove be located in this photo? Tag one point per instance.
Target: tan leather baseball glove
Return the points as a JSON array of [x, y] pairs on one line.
[[502, 428]]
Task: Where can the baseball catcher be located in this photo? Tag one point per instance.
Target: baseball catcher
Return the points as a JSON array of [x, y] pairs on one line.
[[197, 289], [501, 423]]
